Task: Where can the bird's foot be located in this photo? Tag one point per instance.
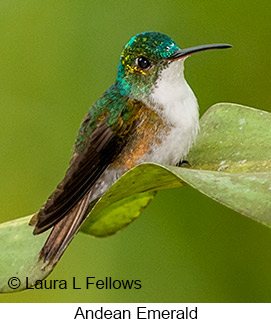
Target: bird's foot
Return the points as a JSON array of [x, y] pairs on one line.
[[183, 163]]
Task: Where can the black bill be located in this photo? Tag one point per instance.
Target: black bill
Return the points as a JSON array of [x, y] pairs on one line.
[[191, 50]]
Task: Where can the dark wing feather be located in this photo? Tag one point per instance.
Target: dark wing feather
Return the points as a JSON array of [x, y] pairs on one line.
[[101, 148], [63, 232]]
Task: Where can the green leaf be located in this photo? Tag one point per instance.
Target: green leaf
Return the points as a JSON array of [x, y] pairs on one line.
[[19, 250], [118, 215], [233, 139], [132, 193], [230, 163]]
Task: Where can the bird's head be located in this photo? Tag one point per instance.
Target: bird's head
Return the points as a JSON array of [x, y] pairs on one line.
[[144, 58]]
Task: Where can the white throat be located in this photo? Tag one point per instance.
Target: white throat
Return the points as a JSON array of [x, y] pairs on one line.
[[174, 100]]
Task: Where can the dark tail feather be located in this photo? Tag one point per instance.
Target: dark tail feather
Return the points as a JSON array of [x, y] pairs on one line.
[[64, 231]]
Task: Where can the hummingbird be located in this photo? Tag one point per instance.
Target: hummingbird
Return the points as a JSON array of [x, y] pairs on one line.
[[150, 114]]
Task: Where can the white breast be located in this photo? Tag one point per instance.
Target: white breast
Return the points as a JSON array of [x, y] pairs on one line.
[[175, 101]]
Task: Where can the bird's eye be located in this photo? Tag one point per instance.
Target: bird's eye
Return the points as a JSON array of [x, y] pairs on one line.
[[143, 62]]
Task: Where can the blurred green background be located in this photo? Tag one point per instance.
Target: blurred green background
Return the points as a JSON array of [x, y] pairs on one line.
[[56, 58]]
